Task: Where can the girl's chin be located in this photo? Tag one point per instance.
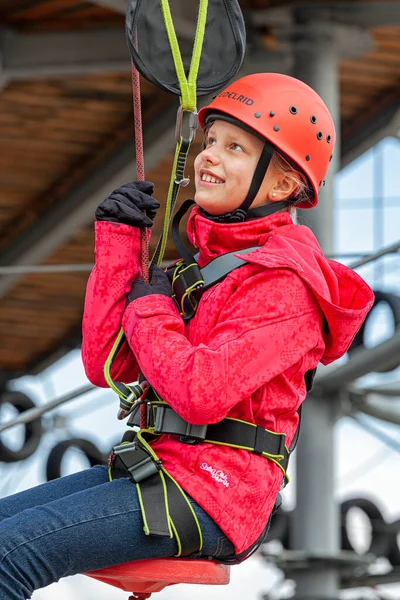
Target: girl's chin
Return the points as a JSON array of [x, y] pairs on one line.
[[211, 205]]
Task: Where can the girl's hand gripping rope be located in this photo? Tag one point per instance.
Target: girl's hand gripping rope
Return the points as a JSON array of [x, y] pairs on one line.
[[160, 284], [131, 204]]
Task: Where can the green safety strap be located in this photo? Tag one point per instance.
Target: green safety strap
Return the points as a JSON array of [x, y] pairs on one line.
[[177, 179], [165, 507], [130, 394], [187, 86]]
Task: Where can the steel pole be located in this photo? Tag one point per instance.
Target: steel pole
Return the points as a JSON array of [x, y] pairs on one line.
[[316, 64], [316, 520], [316, 517]]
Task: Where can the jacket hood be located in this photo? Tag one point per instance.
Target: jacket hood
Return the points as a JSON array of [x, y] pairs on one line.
[[344, 297]]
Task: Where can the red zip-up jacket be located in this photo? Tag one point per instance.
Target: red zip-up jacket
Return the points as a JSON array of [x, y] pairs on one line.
[[243, 355]]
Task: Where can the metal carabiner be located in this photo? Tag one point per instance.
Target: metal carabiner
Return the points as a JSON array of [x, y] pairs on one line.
[[193, 124]]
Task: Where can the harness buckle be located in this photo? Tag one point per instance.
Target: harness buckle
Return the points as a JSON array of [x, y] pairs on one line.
[[187, 282], [137, 461], [194, 434], [168, 421]]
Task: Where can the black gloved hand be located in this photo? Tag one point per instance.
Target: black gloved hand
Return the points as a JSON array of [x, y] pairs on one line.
[[127, 203], [160, 284]]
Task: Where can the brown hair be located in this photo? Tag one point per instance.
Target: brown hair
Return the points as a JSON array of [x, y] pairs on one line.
[[303, 189]]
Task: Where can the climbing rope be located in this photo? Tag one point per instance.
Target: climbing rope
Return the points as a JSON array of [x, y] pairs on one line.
[[139, 153]]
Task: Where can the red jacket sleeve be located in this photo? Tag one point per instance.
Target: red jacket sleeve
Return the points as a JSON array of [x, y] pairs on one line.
[[117, 250], [268, 324]]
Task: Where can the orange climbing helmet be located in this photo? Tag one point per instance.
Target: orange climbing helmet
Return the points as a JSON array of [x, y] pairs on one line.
[[286, 112]]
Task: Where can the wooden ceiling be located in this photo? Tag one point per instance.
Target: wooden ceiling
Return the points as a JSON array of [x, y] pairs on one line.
[[56, 131]]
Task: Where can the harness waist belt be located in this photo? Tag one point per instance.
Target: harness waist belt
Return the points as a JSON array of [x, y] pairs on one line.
[[162, 419]]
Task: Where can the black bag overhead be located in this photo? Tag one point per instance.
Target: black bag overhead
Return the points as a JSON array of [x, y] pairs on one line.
[[153, 43]]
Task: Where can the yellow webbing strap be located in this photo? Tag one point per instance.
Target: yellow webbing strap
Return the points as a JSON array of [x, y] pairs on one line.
[[187, 86], [170, 201], [167, 481]]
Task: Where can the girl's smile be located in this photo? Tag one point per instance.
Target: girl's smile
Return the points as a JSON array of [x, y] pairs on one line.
[[208, 177]]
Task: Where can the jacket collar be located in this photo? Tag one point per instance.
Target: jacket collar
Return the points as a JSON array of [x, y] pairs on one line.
[[213, 239]]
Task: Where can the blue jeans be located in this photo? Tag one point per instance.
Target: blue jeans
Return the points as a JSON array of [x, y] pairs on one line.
[[80, 523]]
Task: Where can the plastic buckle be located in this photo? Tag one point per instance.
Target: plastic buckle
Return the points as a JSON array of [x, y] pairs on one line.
[[193, 124], [194, 434], [142, 468], [168, 421], [188, 277]]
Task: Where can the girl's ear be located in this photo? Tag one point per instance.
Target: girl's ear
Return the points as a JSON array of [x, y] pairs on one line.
[[285, 187]]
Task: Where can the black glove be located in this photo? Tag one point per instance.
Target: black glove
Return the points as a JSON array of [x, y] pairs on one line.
[[160, 284], [127, 203]]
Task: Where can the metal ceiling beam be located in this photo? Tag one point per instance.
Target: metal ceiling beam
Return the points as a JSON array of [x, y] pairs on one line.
[[77, 209], [371, 406], [27, 56], [361, 362], [56, 54], [360, 14]]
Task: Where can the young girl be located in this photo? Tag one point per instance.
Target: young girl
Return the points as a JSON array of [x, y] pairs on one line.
[[234, 374]]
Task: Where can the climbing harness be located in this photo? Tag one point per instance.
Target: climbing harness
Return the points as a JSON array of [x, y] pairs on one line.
[[188, 281], [165, 508], [163, 503]]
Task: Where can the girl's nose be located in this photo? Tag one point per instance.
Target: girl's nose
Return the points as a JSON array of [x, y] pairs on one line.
[[210, 154]]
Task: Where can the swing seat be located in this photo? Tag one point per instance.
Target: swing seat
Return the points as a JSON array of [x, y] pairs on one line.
[[148, 576]]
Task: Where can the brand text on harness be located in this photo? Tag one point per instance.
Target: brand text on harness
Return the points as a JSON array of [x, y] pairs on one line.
[[216, 474]]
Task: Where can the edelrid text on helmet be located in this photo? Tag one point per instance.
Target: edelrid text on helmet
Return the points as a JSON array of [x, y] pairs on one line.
[[236, 96]]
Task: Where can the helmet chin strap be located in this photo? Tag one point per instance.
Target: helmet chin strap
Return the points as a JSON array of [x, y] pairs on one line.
[[243, 212]]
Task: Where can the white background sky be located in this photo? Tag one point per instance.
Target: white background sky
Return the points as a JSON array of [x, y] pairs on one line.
[[355, 231]]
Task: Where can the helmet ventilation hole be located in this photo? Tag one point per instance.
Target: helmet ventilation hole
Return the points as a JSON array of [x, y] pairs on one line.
[[328, 138], [320, 135], [330, 158], [308, 157], [276, 127], [257, 115], [313, 119], [293, 110], [272, 114]]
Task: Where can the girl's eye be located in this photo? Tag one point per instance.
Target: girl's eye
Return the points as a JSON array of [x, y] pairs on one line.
[[237, 147], [210, 141]]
